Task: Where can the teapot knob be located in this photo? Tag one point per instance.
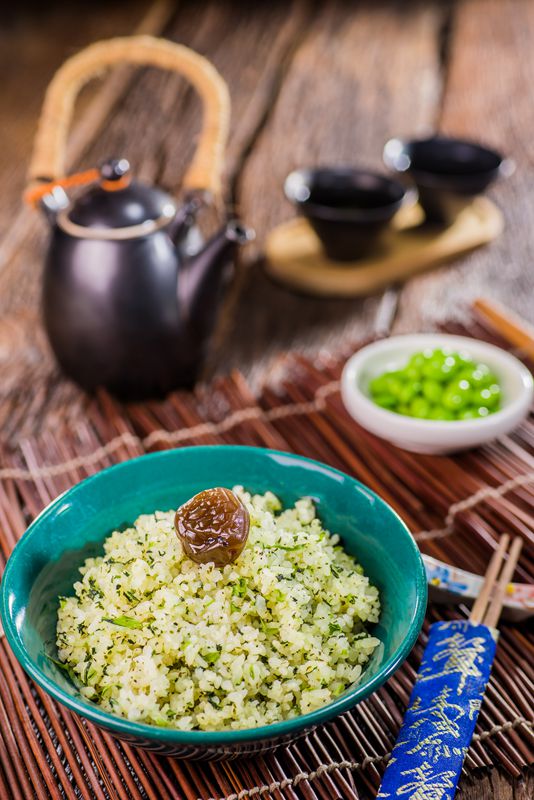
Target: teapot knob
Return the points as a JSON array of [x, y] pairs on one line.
[[115, 169]]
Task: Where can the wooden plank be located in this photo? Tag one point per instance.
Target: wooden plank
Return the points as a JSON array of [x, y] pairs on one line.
[[155, 125], [30, 377], [498, 786], [245, 43], [487, 97], [34, 41], [20, 231], [153, 22], [350, 85]]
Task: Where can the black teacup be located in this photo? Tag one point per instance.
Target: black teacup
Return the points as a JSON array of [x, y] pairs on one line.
[[348, 208], [448, 172]]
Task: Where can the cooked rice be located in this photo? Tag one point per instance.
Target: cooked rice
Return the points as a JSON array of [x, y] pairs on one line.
[[155, 637]]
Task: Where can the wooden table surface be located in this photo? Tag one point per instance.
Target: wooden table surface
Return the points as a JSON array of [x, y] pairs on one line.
[[325, 82]]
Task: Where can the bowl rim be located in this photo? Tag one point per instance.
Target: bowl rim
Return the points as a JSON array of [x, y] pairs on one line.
[[382, 213], [403, 424], [123, 726], [406, 145]]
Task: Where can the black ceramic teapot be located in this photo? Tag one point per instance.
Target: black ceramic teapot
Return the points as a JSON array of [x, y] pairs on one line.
[[130, 289]]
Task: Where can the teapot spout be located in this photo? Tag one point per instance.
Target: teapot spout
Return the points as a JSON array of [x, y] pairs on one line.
[[203, 276]]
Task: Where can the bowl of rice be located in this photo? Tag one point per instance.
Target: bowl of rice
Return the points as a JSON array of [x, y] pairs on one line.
[[106, 612]]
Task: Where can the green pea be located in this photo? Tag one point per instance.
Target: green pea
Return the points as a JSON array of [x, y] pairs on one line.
[[388, 383], [434, 357], [441, 413], [433, 371], [452, 360], [451, 364], [439, 368], [418, 359], [464, 360], [385, 400], [420, 407], [394, 386], [465, 374], [412, 372], [488, 396], [468, 413], [432, 390], [440, 384], [481, 375], [378, 385], [409, 391], [496, 396], [457, 395]]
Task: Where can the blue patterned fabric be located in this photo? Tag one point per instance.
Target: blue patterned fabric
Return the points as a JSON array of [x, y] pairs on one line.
[[438, 727]]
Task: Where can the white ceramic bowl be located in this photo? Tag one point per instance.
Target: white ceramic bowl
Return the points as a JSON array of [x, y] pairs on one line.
[[434, 436]]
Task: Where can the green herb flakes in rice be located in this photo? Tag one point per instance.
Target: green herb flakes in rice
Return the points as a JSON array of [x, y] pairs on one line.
[[157, 638]]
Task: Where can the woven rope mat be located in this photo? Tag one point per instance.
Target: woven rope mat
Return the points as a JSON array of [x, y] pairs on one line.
[[456, 506]]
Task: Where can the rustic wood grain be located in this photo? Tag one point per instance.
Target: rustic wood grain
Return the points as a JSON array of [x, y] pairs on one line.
[[350, 85], [156, 18], [157, 122], [248, 45], [489, 77], [494, 785], [34, 41]]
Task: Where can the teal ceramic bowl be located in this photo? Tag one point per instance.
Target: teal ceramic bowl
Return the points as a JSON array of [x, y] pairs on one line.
[[44, 565]]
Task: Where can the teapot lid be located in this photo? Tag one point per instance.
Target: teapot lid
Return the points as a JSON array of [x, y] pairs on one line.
[[118, 207]]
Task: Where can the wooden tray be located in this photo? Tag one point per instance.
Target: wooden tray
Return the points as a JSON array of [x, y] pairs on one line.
[[295, 256], [47, 752]]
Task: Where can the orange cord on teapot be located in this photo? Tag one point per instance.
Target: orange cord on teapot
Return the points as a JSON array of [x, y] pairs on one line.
[[117, 184], [36, 193]]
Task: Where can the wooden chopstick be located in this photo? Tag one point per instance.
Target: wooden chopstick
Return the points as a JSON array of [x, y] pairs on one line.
[[511, 327], [494, 612], [479, 608], [488, 605]]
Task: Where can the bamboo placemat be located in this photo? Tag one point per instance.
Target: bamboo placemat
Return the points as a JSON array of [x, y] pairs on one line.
[[456, 507]]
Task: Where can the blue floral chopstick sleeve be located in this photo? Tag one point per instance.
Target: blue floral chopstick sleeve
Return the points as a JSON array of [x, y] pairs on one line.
[[427, 759]]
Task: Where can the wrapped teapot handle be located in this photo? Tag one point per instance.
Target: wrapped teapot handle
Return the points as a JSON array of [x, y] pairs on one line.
[[48, 158]]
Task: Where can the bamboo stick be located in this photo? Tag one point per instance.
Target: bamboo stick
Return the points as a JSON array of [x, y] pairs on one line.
[[495, 608], [515, 330], [479, 607]]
